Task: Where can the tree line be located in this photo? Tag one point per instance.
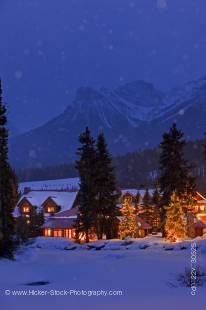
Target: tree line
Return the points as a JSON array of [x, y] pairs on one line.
[[136, 169]]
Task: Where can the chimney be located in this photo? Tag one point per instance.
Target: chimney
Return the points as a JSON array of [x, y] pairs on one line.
[[27, 190]]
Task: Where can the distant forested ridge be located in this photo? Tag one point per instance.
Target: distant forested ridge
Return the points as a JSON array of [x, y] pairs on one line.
[[136, 169]]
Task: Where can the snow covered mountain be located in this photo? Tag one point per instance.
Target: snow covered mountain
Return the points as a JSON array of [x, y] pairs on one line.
[[132, 116]]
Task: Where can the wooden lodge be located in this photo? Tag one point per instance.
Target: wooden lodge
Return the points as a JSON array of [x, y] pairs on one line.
[[62, 224], [199, 211], [60, 209]]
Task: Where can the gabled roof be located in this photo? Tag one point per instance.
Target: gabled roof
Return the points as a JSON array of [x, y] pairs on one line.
[[37, 198], [200, 196], [68, 213], [65, 200]]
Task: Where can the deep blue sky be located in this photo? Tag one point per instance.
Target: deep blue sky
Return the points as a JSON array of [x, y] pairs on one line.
[[48, 48]]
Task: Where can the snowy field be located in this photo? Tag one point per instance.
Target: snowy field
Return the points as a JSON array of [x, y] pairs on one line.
[[145, 270], [60, 184]]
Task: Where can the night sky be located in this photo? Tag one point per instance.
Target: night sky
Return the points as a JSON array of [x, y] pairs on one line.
[[48, 48]]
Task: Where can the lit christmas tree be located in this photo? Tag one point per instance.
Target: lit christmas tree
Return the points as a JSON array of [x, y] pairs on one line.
[[128, 224], [176, 224]]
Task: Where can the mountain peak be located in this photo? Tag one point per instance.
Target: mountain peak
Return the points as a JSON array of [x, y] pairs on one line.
[[132, 116], [87, 95]]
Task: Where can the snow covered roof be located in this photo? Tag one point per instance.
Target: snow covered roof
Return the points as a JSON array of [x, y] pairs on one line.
[[63, 199], [37, 198], [60, 184], [59, 223], [68, 213]]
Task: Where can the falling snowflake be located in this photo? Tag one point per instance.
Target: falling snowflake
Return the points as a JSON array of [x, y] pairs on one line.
[[181, 112], [132, 4], [18, 74], [26, 52], [82, 28], [32, 154], [196, 45], [40, 53], [110, 47], [162, 4]]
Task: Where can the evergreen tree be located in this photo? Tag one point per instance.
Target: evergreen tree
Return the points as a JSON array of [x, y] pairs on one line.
[[86, 166], [147, 207], [22, 229], [8, 189], [137, 202], [175, 225], [107, 192], [138, 197], [29, 227], [156, 198], [175, 171], [147, 199], [128, 223]]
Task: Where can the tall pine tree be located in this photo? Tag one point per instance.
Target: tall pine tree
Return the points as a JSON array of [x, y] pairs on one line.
[[107, 192], [87, 193], [175, 171], [8, 189]]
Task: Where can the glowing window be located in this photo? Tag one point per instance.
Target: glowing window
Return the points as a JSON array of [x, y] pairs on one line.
[[47, 232], [58, 233], [25, 210], [50, 209]]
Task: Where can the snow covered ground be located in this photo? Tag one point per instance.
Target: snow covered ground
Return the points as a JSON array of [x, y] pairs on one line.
[[142, 269], [60, 184]]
